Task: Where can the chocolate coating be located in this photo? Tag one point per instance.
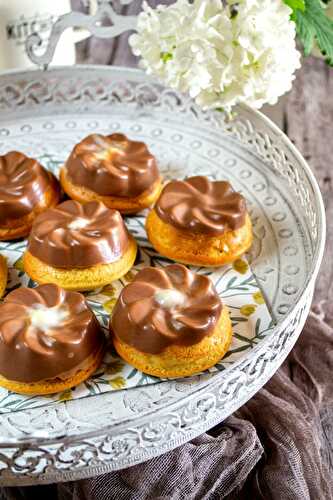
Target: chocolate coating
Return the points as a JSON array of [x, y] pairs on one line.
[[78, 235], [142, 322], [31, 354], [112, 165], [23, 181], [199, 205]]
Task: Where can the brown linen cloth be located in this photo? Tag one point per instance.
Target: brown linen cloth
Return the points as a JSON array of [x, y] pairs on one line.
[[271, 448]]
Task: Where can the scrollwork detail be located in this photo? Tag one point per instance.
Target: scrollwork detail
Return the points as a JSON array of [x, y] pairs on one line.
[[92, 23]]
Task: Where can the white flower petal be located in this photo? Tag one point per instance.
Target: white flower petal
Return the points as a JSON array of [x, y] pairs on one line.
[[220, 59]]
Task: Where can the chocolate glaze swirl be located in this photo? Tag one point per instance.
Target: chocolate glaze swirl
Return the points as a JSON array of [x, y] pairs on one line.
[[141, 321], [29, 353], [199, 205], [78, 235], [23, 181], [112, 165]]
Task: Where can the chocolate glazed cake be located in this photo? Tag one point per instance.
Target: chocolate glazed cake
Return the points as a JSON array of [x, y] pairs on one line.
[[167, 306], [112, 165], [170, 322], [26, 190], [113, 169], [47, 336], [79, 246], [200, 222]]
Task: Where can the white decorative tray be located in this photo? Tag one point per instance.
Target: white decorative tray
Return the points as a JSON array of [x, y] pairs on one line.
[[44, 114]]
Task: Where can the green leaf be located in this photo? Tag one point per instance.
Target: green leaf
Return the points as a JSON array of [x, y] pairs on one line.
[[231, 282], [11, 403], [295, 4], [132, 374], [220, 367], [237, 319], [166, 56], [314, 25], [233, 351]]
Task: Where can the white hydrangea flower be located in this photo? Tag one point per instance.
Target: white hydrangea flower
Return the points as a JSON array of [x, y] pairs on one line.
[[221, 55]]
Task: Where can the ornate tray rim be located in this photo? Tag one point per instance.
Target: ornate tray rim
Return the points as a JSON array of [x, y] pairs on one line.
[[297, 313]]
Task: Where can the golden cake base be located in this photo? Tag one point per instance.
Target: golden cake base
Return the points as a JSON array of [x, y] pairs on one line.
[[78, 279], [178, 360], [198, 249]]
